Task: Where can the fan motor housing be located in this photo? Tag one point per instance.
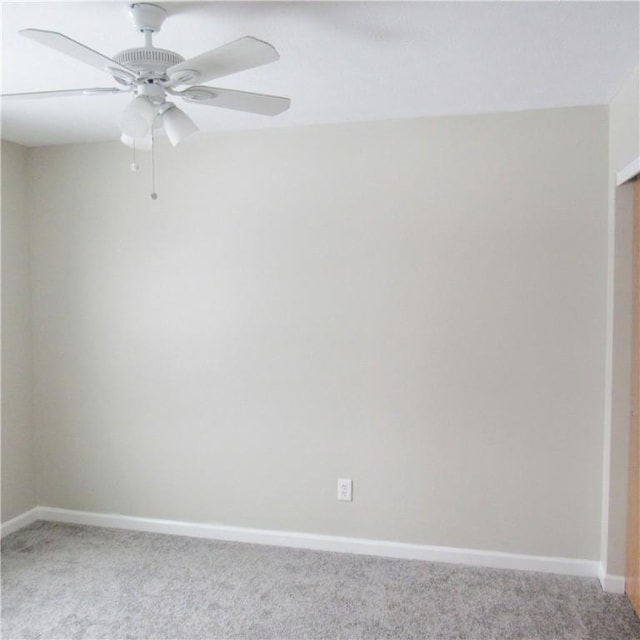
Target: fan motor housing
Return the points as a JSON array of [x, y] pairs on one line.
[[148, 61]]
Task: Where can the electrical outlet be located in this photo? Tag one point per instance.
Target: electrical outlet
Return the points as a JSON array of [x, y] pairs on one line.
[[345, 489]]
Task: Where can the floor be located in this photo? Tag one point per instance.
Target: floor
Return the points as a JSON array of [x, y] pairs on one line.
[[68, 581]]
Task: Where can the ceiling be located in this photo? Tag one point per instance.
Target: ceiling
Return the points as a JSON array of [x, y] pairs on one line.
[[340, 61]]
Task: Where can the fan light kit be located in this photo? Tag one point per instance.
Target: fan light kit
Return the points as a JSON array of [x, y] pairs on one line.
[[152, 74]]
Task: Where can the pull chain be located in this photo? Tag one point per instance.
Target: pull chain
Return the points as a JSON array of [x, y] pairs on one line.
[[154, 195], [134, 165]]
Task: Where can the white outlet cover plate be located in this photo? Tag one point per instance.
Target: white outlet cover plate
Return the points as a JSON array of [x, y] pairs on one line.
[[345, 489]]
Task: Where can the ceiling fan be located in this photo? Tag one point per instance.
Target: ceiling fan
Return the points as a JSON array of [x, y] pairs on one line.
[[152, 74]]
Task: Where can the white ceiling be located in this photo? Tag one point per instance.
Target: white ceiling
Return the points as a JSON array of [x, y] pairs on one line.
[[340, 61]]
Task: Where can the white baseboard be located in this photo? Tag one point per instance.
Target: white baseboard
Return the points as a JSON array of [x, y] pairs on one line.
[[23, 520], [610, 582], [628, 173], [387, 549]]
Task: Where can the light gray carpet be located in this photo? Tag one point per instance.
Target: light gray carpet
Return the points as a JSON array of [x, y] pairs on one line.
[[65, 581]]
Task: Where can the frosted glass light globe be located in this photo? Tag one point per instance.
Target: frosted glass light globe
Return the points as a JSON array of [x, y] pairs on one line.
[[137, 117]]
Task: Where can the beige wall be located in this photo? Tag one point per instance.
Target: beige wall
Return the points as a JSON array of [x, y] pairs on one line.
[[624, 147], [418, 305], [18, 470]]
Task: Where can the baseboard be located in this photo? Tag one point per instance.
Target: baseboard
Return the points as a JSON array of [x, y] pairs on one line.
[[387, 549], [628, 173], [23, 520], [610, 582]]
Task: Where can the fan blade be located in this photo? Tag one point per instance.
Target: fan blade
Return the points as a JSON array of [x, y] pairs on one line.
[[80, 52], [238, 100], [63, 93], [232, 57]]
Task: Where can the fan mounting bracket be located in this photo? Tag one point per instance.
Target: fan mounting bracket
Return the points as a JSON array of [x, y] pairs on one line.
[[147, 17]]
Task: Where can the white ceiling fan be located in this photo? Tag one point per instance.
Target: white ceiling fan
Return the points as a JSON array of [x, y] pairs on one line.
[[152, 74]]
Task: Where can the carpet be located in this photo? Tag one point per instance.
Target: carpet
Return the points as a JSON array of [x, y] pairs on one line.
[[68, 581]]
